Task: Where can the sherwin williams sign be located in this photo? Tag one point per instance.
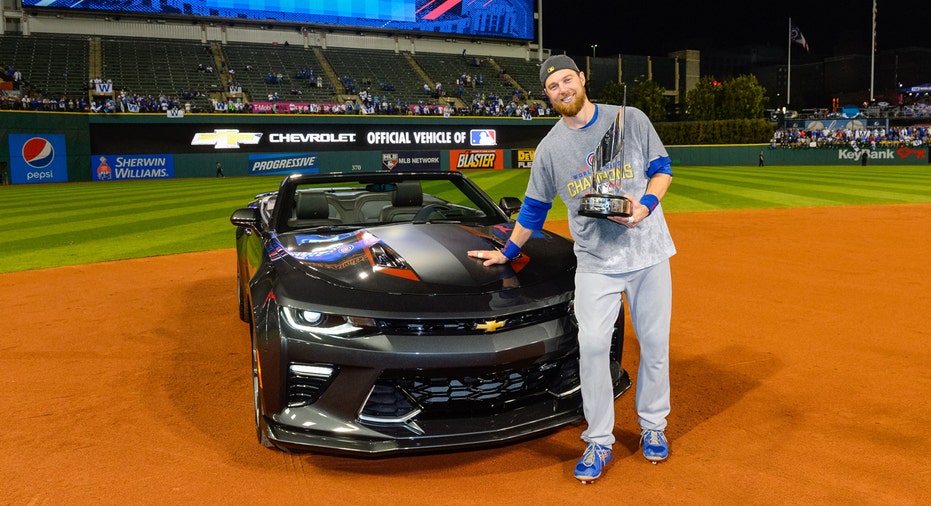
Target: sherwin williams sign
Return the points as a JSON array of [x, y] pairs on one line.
[[121, 167], [37, 158]]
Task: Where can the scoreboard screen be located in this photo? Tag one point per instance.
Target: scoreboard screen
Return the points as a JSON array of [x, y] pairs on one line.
[[505, 19]]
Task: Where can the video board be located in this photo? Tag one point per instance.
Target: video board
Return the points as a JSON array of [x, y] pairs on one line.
[[505, 19]]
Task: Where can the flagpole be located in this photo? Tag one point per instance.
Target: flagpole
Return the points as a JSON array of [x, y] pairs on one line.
[[873, 56], [789, 65]]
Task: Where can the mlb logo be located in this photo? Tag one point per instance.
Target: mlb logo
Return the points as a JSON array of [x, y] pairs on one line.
[[483, 138], [389, 160]]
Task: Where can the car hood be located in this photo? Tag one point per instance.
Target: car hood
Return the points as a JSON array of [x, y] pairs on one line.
[[418, 259]]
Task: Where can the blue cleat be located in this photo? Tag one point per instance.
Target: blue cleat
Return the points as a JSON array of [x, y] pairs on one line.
[[592, 463], [655, 446]]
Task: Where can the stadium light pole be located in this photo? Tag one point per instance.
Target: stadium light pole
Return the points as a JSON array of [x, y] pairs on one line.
[[594, 47]]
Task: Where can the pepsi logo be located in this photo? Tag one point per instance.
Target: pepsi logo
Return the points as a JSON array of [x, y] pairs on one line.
[[38, 153]]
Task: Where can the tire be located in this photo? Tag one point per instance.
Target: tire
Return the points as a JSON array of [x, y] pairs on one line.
[[261, 428], [245, 308]]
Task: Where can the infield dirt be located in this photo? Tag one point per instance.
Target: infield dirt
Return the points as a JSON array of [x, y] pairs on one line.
[[800, 359]]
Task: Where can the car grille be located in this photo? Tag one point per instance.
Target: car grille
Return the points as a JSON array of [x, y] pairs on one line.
[[444, 395], [468, 325]]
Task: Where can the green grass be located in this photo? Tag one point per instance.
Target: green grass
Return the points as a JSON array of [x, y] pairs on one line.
[[75, 223]]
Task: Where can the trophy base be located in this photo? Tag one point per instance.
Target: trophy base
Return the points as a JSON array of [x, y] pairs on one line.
[[601, 205]]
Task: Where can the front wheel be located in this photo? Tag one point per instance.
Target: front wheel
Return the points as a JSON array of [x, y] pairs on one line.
[[261, 428], [245, 309]]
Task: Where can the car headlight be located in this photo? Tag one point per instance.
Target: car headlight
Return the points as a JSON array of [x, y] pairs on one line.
[[328, 324]]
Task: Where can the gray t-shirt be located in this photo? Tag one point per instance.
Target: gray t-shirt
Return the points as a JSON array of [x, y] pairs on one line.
[[562, 165]]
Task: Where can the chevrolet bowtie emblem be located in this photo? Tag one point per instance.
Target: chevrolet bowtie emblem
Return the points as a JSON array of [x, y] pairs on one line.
[[490, 326], [225, 139]]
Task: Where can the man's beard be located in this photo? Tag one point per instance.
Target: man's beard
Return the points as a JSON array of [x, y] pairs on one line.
[[572, 108]]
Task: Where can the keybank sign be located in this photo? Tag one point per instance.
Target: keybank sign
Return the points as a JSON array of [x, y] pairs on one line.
[[899, 153]]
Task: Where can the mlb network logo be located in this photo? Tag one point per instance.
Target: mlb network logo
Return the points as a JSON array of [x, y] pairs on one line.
[[483, 137]]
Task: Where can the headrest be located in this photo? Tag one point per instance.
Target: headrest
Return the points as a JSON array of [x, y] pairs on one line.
[[312, 206], [408, 194]]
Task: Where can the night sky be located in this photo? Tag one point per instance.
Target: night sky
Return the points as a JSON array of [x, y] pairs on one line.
[[657, 28]]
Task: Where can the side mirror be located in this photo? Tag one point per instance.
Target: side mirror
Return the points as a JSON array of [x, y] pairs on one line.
[[509, 205], [247, 217]]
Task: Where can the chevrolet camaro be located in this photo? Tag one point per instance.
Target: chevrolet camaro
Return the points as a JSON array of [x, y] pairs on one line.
[[374, 333]]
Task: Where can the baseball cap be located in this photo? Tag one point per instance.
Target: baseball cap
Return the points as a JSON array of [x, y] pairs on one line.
[[554, 63]]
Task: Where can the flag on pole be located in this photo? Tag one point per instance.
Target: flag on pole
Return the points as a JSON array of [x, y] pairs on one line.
[[798, 38]]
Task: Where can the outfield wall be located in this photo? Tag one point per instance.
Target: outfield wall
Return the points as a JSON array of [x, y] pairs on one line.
[[750, 154], [56, 147], [37, 147]]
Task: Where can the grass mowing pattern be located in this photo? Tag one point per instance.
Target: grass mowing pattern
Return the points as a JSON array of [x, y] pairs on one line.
[[76, 223], [52, 225], [717, 188]]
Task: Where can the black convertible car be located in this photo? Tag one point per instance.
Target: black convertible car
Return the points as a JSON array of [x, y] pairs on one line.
[[373, 333]]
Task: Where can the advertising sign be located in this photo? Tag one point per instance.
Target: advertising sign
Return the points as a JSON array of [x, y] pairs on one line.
[[401, 161], [37, 158], [121, 167], [192, 138], [476, 159], [525, 158], [285, 163]]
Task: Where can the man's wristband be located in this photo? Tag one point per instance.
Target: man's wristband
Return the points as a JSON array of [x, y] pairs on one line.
[[650, 200], [510, 250]]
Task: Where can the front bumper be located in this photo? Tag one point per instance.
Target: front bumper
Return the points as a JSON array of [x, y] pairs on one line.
[[406, 394]]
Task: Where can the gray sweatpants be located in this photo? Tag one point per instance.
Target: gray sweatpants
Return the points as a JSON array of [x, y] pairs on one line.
[[597, 302]]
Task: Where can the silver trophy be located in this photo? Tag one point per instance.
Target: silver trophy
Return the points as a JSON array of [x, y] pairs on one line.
[[609, 156]]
